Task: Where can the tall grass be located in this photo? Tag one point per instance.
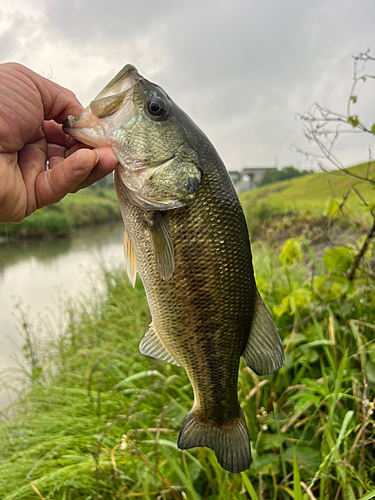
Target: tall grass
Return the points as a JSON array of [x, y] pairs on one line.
[[100, 421]]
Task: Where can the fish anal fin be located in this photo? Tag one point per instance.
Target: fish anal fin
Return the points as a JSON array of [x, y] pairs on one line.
[[264, 351], [230, 442], [161, 244], [152, 345], [131, 263]]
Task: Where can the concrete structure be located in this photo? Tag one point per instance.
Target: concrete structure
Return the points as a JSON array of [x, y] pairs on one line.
[[248, 178]]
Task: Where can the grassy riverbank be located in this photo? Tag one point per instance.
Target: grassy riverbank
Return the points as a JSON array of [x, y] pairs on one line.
[[90, 206], [301, 204], [282, 207], [100, 421]]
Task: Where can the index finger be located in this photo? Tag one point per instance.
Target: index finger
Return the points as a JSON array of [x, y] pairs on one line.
[[54, 134], [58, 102]]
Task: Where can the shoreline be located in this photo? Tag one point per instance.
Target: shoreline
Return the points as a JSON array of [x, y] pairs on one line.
[[100, 416], [88, 207]]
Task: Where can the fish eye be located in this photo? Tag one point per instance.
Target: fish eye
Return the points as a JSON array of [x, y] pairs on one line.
[[157, 108]]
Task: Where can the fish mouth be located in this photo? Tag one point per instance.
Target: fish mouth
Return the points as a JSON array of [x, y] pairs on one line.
[[111, 107], [86, 130], [69, 124]]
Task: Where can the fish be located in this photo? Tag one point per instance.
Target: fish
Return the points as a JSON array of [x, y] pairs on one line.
[[187, 238]]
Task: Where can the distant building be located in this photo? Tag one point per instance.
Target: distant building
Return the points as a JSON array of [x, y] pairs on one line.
[[248, 178]]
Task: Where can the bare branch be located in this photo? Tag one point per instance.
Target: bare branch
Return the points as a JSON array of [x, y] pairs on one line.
[[369, 237], [323, 127]]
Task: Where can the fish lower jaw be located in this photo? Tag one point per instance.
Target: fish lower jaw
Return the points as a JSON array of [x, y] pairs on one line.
[[92, 136]]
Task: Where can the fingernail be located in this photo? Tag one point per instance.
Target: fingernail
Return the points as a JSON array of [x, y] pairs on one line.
[[97, 157]]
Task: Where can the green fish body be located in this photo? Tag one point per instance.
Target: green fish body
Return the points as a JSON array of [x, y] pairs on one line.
[[186, 236]]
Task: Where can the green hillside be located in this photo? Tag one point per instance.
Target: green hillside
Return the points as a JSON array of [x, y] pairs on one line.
[[308, 196], [312, 191]]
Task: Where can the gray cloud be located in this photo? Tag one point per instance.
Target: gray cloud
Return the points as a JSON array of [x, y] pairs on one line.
[[241, 69]]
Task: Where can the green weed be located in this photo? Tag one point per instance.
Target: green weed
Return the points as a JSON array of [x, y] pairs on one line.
[[102, 422]]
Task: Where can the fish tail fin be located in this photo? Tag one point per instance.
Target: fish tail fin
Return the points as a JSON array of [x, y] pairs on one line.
[[230, 441]]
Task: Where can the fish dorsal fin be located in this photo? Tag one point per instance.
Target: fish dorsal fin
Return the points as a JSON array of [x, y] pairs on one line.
[[264, 351], [107, 106], [131, 263], [120, 83], [152, 345], [162, 245]]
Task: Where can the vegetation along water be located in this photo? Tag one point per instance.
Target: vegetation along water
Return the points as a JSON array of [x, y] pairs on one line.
[[36, 273], [94, 205], [99, 420]]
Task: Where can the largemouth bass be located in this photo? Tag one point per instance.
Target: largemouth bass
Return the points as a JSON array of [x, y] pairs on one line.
[[186, 236]]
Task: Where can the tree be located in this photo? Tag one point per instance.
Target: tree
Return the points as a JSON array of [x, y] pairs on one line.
[[282, 175]]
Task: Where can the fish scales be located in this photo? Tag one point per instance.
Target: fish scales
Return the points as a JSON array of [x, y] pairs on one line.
[[213, 269], [186, 236]]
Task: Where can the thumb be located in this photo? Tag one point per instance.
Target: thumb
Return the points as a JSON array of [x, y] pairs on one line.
[[52, 185]]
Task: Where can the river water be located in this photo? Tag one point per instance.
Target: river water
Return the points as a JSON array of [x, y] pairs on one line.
[[37, 274]]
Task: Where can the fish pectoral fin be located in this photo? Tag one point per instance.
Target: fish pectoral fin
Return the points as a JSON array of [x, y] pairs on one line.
[[264, 351], [131, 263], [161, 244], [152, 345], [230, 442]]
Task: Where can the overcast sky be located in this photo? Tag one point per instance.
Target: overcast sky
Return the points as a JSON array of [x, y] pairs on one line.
[[242, 69]]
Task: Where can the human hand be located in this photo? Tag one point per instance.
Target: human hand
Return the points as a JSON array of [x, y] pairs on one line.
[[31, 109]]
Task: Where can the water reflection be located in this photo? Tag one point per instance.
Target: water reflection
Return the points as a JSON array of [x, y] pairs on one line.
[[43, 250], [41, 271]]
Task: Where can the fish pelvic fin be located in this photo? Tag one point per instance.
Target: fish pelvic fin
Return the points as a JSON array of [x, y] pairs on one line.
[[152, 345], [263, 352], [131, 263], [230, 442]]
